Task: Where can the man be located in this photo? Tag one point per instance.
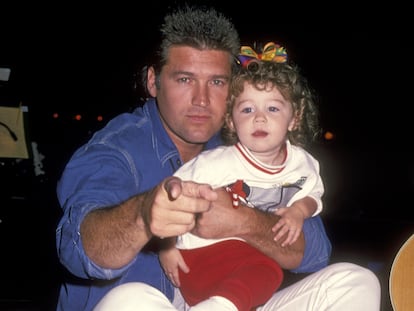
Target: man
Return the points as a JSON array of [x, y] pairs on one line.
[[119, 200]]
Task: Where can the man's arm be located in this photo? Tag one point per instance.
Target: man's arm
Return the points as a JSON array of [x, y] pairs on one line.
[[252, 225], [258, 232], [113, 236]]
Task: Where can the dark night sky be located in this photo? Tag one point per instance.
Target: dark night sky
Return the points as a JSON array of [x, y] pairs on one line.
[[359, 60], [73, 57]]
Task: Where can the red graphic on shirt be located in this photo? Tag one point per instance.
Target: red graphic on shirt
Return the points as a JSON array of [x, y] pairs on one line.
[[237, 193]]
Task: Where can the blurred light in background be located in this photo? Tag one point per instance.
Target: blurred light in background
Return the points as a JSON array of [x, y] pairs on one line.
[[328, 135]]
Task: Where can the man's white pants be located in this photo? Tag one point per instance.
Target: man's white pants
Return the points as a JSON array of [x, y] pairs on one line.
[[338, 287]]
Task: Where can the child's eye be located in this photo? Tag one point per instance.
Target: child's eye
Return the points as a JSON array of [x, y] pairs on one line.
[[247, 110], [273, 109]]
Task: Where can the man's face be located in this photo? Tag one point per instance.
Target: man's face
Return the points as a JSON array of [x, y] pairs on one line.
[[192, 93]]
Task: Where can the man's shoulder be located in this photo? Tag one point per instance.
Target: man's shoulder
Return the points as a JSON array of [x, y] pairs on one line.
[[134, 122]]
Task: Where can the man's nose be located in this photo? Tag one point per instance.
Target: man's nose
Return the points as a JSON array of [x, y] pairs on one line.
[[201, 97]]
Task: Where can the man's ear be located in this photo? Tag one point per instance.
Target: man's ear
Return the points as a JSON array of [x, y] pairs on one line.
[[152, 82]]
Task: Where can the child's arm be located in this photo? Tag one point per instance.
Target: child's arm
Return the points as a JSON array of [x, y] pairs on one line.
[[171, 260], [292, 218]]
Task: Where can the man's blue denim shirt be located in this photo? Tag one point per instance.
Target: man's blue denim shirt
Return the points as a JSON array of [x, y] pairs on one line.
[[130, 155]]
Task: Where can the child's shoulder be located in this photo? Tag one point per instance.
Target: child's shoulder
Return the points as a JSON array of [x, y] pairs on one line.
[[215, 152]]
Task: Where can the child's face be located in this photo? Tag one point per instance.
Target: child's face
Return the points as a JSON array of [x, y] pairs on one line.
[[262, 119]]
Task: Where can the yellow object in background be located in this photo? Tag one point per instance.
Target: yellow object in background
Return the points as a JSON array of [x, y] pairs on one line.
[[401, 282], [12, 133]]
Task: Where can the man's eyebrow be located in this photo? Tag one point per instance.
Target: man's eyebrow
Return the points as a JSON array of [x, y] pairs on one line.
[[225, 77], [189, 73], [182, 72]]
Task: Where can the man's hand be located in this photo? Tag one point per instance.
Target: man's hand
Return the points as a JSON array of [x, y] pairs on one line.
[[172, 207], [222, 220]]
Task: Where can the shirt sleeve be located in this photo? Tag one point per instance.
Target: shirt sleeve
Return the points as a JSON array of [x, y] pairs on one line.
[[90, 180], [318, 247]]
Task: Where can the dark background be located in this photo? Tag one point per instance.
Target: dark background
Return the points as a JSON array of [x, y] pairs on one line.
[[72, 59]]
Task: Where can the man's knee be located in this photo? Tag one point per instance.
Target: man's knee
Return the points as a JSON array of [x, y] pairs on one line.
[[132, 296], [358, 276]]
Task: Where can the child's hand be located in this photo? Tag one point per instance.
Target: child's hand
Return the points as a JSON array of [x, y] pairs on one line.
[[290, 223], [171, 260]]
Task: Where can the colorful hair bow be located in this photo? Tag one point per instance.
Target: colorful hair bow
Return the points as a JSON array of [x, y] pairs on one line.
[[271, 52]]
